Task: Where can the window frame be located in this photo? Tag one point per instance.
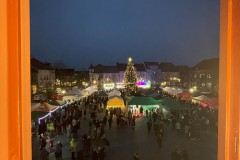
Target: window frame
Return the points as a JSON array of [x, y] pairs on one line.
[[15, 80]]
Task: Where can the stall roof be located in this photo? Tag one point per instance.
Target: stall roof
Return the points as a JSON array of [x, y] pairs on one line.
[[201, 98], [102, 94], [115, 102], [139, 100], [172, 104], [44, 107], [185, 95], [57, 102], [75, 91], [213, 102]]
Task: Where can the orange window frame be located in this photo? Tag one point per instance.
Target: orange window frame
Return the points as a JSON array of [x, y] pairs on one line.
[[15, 119]]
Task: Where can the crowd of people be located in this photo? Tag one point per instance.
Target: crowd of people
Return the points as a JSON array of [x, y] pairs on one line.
[[91, 141], [67, 122]]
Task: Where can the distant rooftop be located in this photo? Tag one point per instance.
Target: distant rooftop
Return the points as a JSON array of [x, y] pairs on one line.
[[105, 69], [123, 67], [167, 67], [36, 64], [148, 64], [207, 64]]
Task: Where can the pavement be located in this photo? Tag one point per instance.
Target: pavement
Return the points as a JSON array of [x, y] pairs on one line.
[[124, 142]]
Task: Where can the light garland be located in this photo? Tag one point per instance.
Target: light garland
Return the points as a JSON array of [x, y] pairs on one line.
[[49, 114]]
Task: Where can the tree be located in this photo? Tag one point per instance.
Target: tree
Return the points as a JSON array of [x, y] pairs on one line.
[[130, 76]]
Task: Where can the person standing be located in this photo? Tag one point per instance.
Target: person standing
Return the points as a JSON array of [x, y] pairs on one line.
[[43, 142], [133, 122], [84, 113], [147, 113], [42, 128], [58, 151], [105, 121], [141, 110], [129, 117], [149, 125], [118, 121], [73, 145], [110, 122]]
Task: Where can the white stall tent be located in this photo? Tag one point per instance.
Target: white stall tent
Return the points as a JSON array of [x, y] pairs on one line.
[[71, 98], [172, 90], [91, 89], [200, 99], [114, 93], [75, 92]]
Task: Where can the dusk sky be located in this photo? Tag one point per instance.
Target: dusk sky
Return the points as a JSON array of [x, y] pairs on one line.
[[76, 32]]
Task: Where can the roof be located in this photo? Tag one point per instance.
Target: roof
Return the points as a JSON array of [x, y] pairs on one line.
[[64, 72], [140, 67], [182, 68], [105, 69], [167, 67], [115, 102], [140, 100], [123, 67], [40, 65], [82, 72], [172, 105], [148, 64], [102, 94], [207, 64]]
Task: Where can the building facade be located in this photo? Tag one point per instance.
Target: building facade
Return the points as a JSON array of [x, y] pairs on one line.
[[153, 71], [65, 79], [169, 76], [114, 75], [43, 76], [204, 76]]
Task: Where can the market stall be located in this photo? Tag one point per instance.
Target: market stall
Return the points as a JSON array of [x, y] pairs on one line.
[[44, 107], [116, 102], [84, 93], [91, 89], [213, 103], [185, 95], [172, 105], [146, 103], [57, 103], [172, 91], [102, 94], [75, 92], [200, 100], [114, 93], [71, 98], [42, 110]]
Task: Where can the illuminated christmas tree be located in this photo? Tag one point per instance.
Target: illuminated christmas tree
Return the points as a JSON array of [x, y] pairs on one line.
[[130, 76]]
